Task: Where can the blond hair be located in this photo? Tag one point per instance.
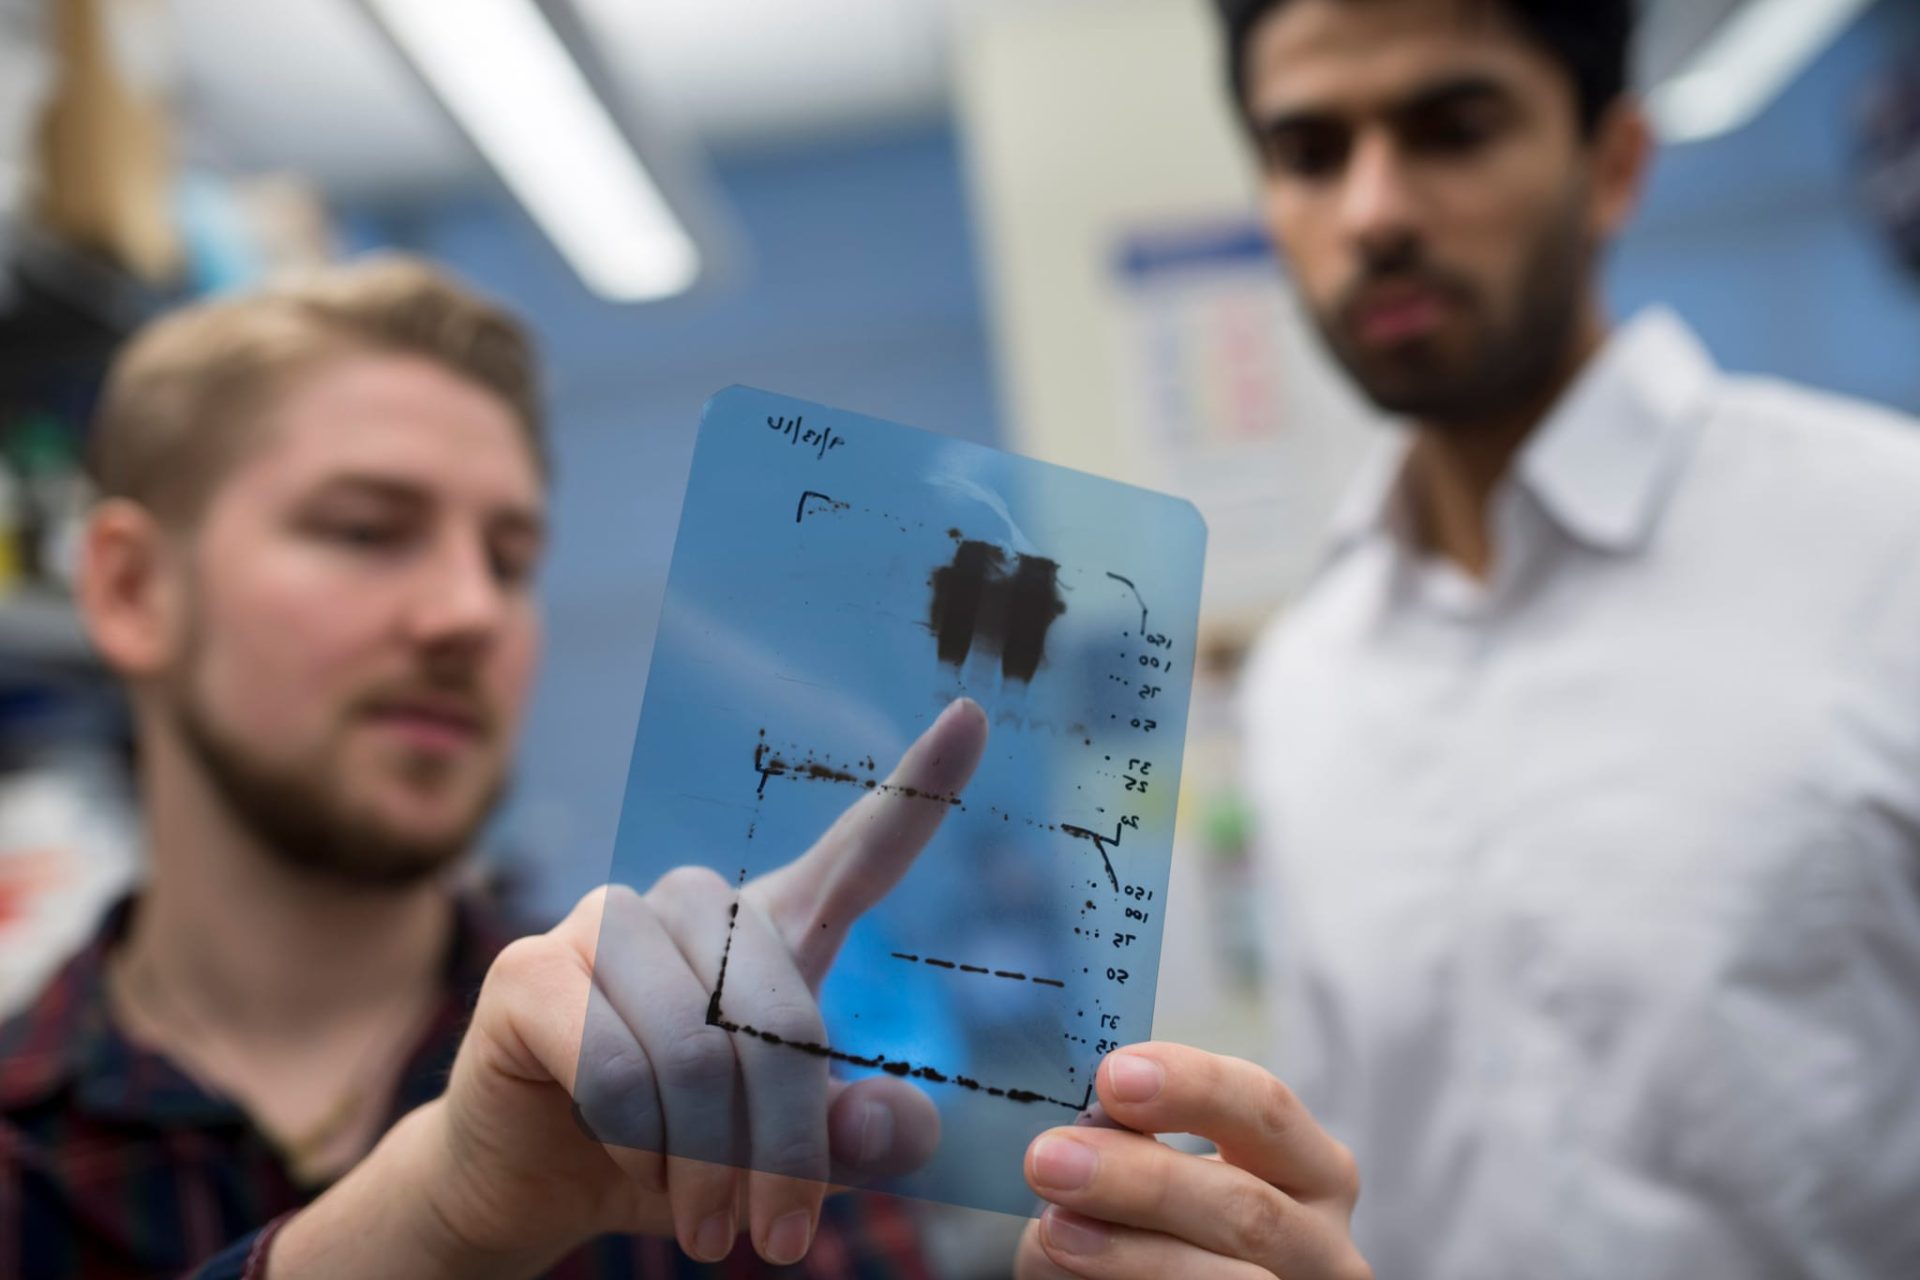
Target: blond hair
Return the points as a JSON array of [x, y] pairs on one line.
[[184, 396]]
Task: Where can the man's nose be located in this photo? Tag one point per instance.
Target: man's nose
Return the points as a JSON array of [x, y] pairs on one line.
[[458, 600], [1378, 208]]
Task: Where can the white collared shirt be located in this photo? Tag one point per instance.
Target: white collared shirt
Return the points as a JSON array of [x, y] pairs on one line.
[[1597, 886]]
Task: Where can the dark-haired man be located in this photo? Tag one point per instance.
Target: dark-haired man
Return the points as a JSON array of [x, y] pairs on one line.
[[1589, 764]]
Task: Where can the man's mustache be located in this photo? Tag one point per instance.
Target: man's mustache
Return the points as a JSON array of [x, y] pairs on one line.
[[1396, 268], [460, 699]]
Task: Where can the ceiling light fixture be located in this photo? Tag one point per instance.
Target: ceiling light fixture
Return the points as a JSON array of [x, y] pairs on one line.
[[510, 82], [1745, 64]]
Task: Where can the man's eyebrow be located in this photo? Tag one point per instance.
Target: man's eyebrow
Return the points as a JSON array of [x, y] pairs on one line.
[[517, 519], [1456, 91], [521, 522], [1464, 89], [378, 486], [1296, 119]]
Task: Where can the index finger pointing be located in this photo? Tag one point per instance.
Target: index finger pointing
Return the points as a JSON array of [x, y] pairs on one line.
[[815, 899], [1251, 1116]]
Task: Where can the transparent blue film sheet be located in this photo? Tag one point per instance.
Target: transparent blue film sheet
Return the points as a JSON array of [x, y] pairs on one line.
[[837, 582]]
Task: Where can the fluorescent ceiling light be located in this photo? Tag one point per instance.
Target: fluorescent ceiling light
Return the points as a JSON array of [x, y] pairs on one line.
[[1746, 63], [512, 85]]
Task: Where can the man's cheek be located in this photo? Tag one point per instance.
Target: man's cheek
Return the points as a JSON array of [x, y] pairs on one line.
[[514, 684]]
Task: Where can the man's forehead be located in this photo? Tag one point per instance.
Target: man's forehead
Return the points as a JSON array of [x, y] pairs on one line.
[[398, 416], [1363, 56]]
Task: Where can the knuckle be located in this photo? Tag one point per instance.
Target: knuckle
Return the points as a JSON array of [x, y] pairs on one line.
[[614, 1097], [617, 905], [1346, 1173], [794, 1155], [1276, 1111], [520, 962], [793, 1021], [593, 904], [698, 1056], [590, 910], [1150, 1183], [691, 883], [1351, 1266], [619, 898], [1253, 1220], [617, 1072]]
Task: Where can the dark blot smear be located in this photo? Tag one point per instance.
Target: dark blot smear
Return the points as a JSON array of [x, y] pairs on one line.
[[826, 774], [975, 600], [958, 589], [1033, 602]]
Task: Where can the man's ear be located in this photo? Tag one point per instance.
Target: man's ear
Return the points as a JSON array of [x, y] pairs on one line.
[[130, 589], [1623, 149]]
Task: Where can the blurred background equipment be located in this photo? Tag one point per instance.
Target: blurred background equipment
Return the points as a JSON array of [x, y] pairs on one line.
[[1890, 149], [105, 147], [1026, 222]]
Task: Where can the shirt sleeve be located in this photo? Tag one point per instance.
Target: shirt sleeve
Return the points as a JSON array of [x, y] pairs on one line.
[[244, 1259], [866, 1237]]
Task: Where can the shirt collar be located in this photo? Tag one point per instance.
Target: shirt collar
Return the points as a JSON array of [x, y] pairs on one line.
[[1372, 503], [67, 1038], [1602, 463], [1606, 459]]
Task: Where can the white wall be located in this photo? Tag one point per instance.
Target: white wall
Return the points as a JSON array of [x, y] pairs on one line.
[[1087, 124]]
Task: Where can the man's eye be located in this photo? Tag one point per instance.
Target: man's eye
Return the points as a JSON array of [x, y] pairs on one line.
[[512, 568], [1309, 154], [1449, 133], [371, 535]]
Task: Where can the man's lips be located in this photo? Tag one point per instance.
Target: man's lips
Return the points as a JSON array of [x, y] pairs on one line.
[[1388, 317], [429, 724]]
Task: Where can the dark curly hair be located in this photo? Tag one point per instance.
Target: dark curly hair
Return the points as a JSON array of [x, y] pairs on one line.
[[1590, 38]]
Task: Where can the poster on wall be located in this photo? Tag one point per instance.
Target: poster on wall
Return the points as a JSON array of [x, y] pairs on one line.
[[1232, 402]]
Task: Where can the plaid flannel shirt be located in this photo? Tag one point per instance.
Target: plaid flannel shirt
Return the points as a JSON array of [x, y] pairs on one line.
[[115, 1164]]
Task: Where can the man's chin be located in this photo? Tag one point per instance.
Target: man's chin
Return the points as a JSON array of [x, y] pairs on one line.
[[347, 817], [1423, 399], [393, 841], [378, 856], [406, 841]]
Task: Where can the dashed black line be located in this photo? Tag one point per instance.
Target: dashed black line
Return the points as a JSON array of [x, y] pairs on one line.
[[974, 968]]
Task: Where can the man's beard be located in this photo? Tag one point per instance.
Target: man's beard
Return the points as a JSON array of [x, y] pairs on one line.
[[306, 824], [1514, 364]]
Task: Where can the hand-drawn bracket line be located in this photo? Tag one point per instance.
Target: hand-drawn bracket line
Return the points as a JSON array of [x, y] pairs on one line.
[[896, 1067], [893, 1067], [832, 504], [1100, 842], [813, 502], [768, 765], [1137, 597], [974, 968]]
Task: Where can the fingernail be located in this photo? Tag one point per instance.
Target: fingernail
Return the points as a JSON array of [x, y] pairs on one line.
[[788, 1238], [876, 1132], [961, 707], [1071, 1233], [714, 1240], [1134, 1079], [1063, 1164]]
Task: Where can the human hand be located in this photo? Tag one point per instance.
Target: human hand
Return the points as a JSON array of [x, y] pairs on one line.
[[514, 1173], [1275, 1202]]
